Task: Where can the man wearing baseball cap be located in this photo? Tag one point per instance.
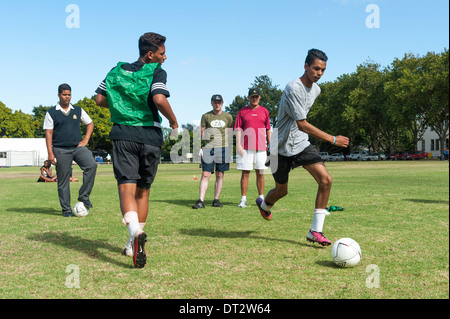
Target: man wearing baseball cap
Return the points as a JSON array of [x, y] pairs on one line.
[[216, 127], [252, 139]]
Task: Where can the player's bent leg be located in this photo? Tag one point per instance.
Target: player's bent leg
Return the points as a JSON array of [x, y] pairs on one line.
[[277, 193], [324, 180], [272, 197]]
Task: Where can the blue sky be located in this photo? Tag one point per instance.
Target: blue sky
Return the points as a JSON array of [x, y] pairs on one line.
[[212, 46]]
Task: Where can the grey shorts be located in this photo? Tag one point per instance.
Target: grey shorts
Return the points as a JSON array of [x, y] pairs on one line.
[[285, 164], [135, 163]]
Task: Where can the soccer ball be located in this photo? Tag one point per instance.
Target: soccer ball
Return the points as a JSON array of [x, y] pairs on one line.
[[346, 253], [80, 210]]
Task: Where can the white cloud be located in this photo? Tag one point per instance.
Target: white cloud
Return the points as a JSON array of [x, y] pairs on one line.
[[188, 61]]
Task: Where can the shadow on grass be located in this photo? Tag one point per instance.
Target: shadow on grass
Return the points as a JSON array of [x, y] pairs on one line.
[[36, 210], [203, 232], [427, 201], [189, 202], [326, 263], [86, 246]]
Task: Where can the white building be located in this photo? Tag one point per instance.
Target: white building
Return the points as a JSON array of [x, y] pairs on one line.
[[430, 143], [22, 151]]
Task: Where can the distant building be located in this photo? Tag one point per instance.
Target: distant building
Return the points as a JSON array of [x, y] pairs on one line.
[[430, 143], [22, 151]]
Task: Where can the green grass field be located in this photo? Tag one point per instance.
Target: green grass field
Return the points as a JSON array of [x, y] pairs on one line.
[[397, 211]]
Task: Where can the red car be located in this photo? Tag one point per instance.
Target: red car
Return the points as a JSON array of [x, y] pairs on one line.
[[407, 156], [396, 156], [419, 155]]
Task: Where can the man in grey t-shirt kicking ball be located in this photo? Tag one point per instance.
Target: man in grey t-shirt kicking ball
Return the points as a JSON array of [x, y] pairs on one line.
[[295, 150]]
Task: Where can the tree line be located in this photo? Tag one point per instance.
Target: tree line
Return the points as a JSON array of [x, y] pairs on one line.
[[20, 125], [382, 108]]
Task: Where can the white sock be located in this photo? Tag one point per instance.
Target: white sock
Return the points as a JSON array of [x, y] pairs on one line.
[[130, 239], [131, 220], [261, 196], [319, 219], [244, 198], [266, 207]]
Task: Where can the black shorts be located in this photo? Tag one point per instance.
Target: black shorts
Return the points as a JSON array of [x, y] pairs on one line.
[[135, 163], [285, 164]]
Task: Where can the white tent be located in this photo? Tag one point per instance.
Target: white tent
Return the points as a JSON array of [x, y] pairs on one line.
[[22, 151]]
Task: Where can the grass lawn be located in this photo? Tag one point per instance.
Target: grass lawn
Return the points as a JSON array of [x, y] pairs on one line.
[[397, 211]]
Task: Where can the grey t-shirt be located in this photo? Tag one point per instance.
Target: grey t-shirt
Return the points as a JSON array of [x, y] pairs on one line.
[[295, 104]]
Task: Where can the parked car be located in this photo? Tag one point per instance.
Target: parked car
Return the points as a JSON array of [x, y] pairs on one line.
[[419, 155], [396, 156], [370, 157], [400, 156], [324, 155], [356, 156], [407, 156], [380, 156], [336, 157]]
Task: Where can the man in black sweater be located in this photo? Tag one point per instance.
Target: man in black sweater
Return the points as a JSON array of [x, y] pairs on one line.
[[65, 144]]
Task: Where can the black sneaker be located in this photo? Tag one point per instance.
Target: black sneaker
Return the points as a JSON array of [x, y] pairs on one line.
[[88, 204], [139, 256], [199, 204], [216, 203], [67, 214]]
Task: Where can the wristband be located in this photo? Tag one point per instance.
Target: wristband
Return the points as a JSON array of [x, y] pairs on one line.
[[334, 140]]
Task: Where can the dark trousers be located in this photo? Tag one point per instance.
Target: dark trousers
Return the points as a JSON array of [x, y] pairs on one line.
[[83, 157]]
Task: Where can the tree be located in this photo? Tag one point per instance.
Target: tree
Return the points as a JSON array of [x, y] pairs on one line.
[[418, 88], [333, 114], [238, 103], [102, 122], [5, 115], [435, 90], [187, 141], [16, 124], [369, 102], [22, 125], [405, 93], [270, 98], [168, 143], [39, 116]]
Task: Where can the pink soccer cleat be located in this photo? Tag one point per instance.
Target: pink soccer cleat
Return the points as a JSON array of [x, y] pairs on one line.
[[266, 215], [316, 237]]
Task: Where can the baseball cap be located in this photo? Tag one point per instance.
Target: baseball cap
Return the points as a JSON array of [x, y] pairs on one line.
[[216, 97], [253, 91]]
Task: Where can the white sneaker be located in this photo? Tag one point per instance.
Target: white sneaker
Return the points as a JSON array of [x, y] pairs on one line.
[[243, 203], [128, 250]]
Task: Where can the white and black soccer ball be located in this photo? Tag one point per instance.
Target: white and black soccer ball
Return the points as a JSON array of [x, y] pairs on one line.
[[346, 253], [80, 210]]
